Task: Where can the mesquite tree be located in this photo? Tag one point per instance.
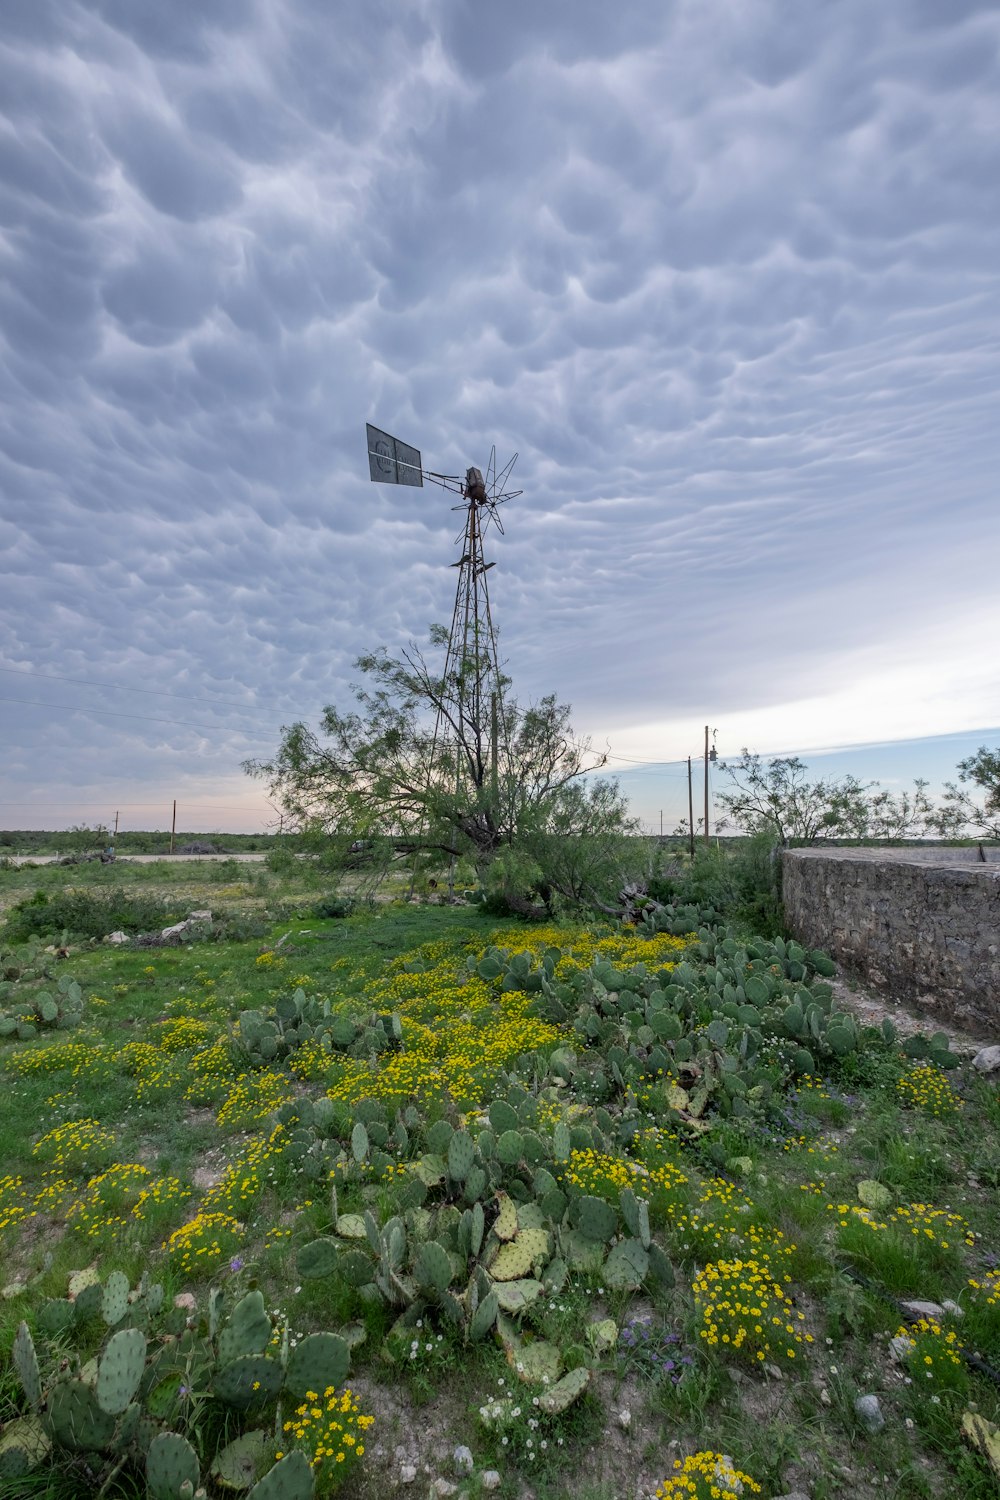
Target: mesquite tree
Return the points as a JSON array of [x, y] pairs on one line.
[[424, 763]]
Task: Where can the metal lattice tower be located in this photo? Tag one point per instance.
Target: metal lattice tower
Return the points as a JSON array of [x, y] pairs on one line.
[[472, 680]]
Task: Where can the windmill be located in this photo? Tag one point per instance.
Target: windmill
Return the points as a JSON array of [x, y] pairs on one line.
[[471, 667]]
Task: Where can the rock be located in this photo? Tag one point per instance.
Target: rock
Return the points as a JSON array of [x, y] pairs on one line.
[[186, 1300], [987, 1060], [200, 916], [462, 1459], [490, 1479], [175, 930], [899, 1347], [922, 1309], [407, 1473], [953, 1308], [725, 1474], [793, 1495], [116, 937], [774, 1371], [443, 1487], [870, 1412], [825, 1397], [625, 1419]]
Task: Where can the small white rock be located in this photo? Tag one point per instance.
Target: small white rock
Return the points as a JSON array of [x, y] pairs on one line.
[[953, 1307], [462, 1459], [186, 1301], [824, 1397], [407, 1473], [922, 1309], [987, 1060], [444, 1487], [899, 1347], [870, 1412], [490, 1479], [625, 1418]]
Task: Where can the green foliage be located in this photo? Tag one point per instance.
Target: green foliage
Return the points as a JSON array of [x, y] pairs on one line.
[[115, 1404], [88, 914], [510, 793]]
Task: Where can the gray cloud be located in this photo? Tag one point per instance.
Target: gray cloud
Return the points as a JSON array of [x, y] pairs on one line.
[[725, 275]]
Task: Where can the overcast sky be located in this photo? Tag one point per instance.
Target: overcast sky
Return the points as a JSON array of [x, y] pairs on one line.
[[723, 272]]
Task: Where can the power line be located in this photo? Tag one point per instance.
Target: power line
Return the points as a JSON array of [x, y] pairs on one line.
[[103, 802]]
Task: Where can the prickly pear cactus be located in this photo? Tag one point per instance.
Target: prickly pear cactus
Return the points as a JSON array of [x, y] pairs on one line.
[[247, 1330], [595, 1219], [565, 1391], [290, 1479], [171, 1463], [26, 1365], [120, 1370], [432, 1268], [114, 1298], [317, 1362], [24, 1444]]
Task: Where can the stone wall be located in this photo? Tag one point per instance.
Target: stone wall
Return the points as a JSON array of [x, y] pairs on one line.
[[921, 924]]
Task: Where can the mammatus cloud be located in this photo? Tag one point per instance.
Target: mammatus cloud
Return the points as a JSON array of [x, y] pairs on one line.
[[725, 275]]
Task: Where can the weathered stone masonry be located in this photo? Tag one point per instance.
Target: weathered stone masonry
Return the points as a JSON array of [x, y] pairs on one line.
[[922, 924]]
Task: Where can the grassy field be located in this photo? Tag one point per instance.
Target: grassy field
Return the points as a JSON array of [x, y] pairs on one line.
[[590, 1214]]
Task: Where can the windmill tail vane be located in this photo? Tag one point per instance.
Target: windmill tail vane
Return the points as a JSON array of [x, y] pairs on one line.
[[391, 461]]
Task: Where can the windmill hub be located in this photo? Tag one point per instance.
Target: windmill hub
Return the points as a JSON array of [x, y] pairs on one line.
[[475, 485]]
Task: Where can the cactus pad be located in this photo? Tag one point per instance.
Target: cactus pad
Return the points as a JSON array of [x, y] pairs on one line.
[[359, 1142], [505, 1224], [510, 1147], [537, 1363], [114, 1298], [120, 1370], [564, 1392], [248, 1381], [503, 1116], [461, 1154], [318, 1361], [484, 1317], [26, 1365], [581, 1253], [626, 1266], [237, 1464], [317, 1259], [170, 1464], [75, 1418], [247, 1330], [23, 1446], [432, 1268], [352, 1227], [513, 1261], [516, 1296], [595, 1219], [290, 1479]]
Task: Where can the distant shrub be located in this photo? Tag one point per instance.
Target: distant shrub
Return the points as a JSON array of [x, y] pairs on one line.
[[87, 914], [333, 906]]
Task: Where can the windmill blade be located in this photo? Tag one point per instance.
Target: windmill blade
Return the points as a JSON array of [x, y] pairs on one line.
[[504, 475]]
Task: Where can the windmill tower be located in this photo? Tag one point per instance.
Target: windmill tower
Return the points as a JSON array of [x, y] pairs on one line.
[[470, 711]]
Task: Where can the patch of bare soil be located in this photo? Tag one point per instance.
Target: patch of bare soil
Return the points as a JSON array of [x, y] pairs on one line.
[[872, 1009]]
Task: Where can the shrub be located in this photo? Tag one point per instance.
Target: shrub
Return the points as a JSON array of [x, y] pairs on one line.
[[87, 914]]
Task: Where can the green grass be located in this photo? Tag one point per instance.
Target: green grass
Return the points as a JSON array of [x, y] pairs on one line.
[[775, 1430]]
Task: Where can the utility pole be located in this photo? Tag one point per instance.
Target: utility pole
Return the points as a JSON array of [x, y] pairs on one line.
[[706, 786], [690, 809], [173, 826], [116, 824]]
